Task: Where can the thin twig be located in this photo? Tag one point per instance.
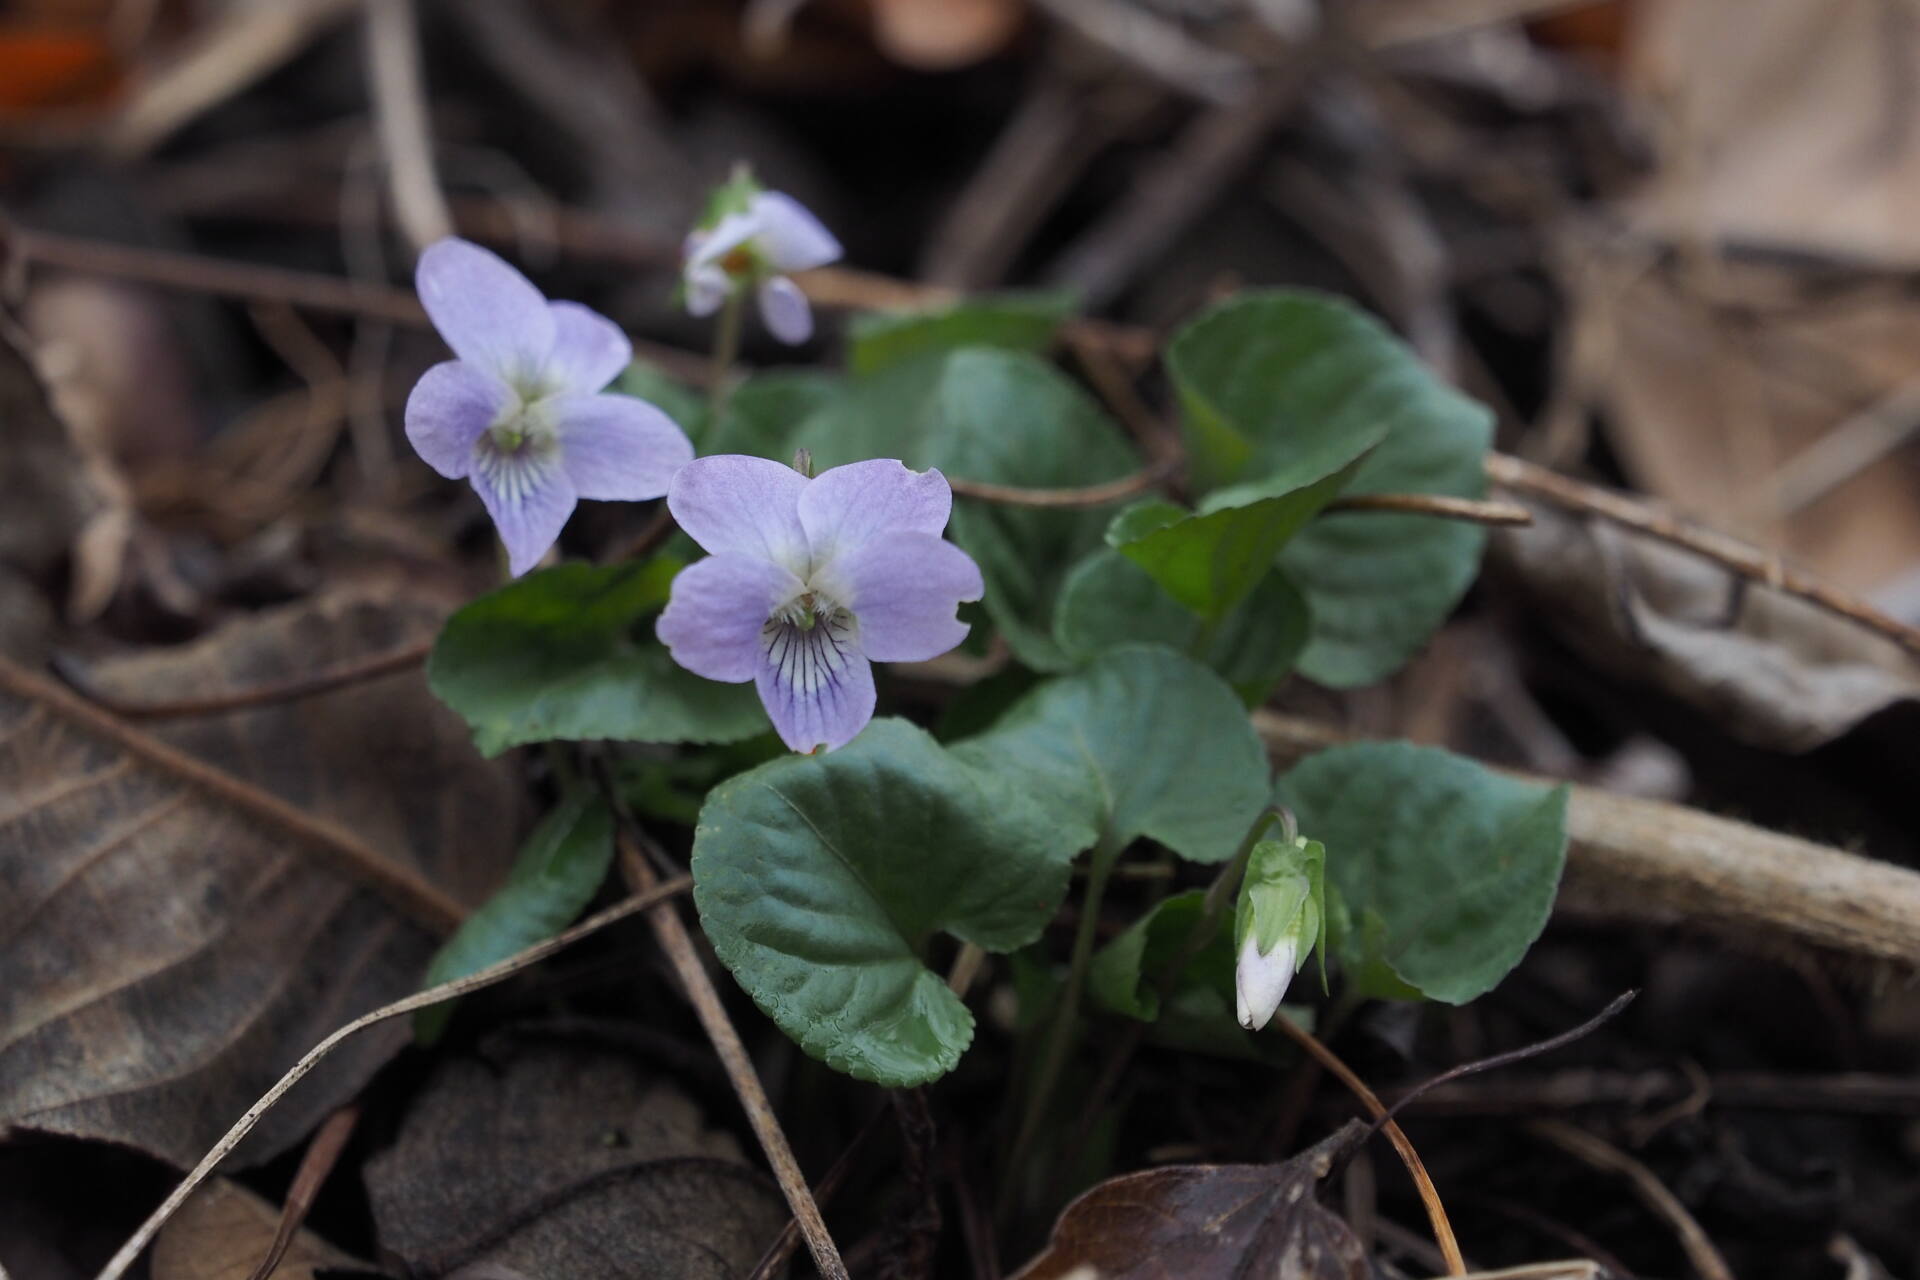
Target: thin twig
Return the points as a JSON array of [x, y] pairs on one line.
[[774, 1260], [672, 934], [1429, 1196], [1745, 560], [1653, 1193], [1469, 510], [404, 887], [323, 1153], [493, 973], [266, 695], [400, 113], [1096, 495]]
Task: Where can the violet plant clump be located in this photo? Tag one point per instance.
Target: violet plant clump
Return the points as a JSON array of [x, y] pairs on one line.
[[809, 581], [751, 238], [522, 411]]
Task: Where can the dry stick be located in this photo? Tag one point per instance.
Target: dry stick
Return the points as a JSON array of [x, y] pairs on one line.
[[1653, 862], [322, 1154], [1741, 558], [672, 934], [401, 885], [1471, 510], [400, 114], [382, 664], [493, 973], [774, 1260], [1653, 1193], [1436, 1212]]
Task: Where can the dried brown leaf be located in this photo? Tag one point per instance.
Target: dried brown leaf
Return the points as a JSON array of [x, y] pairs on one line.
[[165, 953], [563, 1158], [1771, 669], [224, 1231], [1209, 1222]]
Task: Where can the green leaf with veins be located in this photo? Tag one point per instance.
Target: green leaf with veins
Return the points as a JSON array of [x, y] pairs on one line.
[[1140, 742], [820, 879], [569, 653], [1109, 601], [1457, 864]]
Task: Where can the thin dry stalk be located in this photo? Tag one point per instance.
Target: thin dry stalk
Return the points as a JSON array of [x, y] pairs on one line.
[[671, 932], [1653, 1193], [130, 1251]]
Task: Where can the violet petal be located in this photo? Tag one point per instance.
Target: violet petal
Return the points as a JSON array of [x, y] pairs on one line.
[[847, 506], [904, 589], [790, 237], [490, 314], [529, 497], [589, 350], [617, 448], [732, 502], [719, 608], [447, 412], [815, 684], [785, 310]]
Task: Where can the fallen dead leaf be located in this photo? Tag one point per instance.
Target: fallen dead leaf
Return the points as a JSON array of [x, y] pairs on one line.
[[1777, 672], [1209, 1222], [165, 953], [223, 1232], [565, 1158]]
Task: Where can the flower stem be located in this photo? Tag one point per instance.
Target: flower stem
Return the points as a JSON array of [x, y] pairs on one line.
[[726, 349], [1053, 1054]]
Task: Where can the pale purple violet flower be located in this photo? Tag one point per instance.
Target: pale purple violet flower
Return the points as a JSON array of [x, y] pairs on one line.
[[517, 413], [808, 581], [758, 246]]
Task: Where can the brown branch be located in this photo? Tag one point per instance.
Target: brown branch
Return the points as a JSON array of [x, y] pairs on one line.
[[1470, 510], [1653, 862], [1429, 1195], [1741, 558], [405, 888], [671, 932], [131, 1250], [1096, 495], [266, 695], [1590, 1150]]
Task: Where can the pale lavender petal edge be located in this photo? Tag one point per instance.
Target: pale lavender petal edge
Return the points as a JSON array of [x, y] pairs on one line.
[[617, 448], [529, 501], [847, 506], [906, 590], [786, 311], [734, 502], [447, 412], [718, 608], [491, 315], [790, 236], [589, 350], [818, 690]]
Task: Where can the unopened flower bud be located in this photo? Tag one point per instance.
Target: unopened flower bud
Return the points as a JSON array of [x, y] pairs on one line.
[[1279, 921]]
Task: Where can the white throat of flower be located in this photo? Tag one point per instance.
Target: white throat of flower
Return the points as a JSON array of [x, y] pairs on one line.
[[515, 450]]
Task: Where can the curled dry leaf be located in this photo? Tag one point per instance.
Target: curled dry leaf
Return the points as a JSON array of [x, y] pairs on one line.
[[1773, 670], [565, 1158], [1209, 1222], [166, 952], [224, 1231]]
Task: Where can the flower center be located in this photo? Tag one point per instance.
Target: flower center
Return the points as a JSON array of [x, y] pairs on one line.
[[808, 610], [520, 432]]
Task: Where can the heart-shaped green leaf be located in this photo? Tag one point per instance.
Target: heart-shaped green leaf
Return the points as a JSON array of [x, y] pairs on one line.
[[819, 880], [1458, 864], [569, 653], [1110, 601], [1005, 418], [1015, 321], [556, 874], [1139, 742]]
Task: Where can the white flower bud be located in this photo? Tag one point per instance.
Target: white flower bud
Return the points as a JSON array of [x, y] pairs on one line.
[[1259, 981]]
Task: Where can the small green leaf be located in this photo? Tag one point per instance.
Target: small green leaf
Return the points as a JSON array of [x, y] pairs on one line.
[[569, 653], [1015, 321], [686, 406], [1210, 560], [764, 413], [1141, 741], [819, 880], [1125, 973], [1287, 387], [1459, 864], [1381, 582], [1002, 417], [558, 871], [1109, 601]]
